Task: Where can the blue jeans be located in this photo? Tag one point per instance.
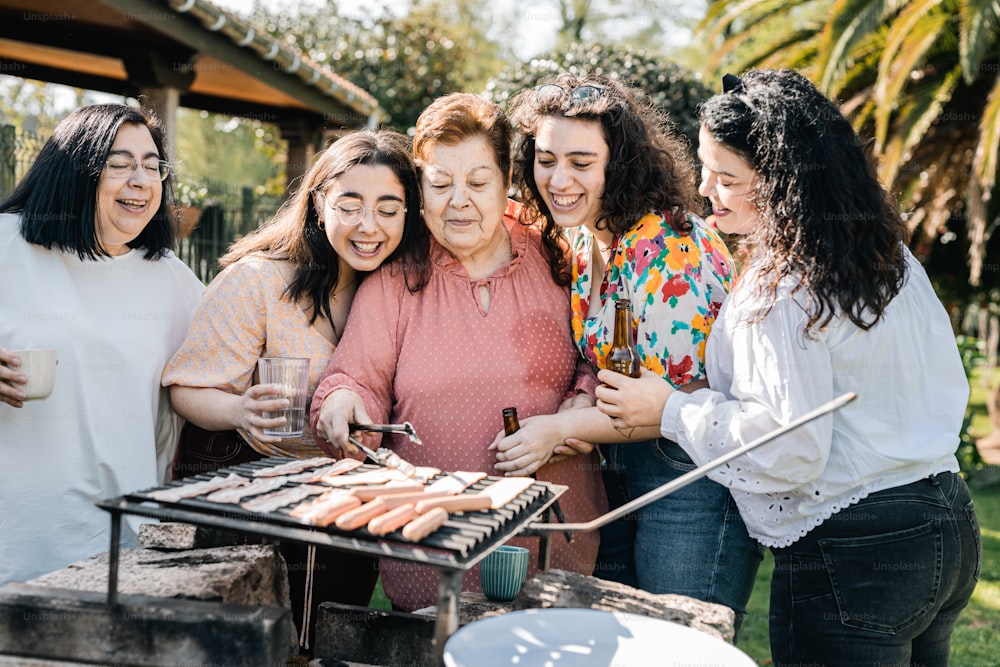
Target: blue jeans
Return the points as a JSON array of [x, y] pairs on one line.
[[691, 542], [880, 582]]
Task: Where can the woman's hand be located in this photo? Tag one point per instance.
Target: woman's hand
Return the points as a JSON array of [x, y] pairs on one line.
[[573, 446], [10, 377], [632, 402], [252, 407], [338, 411], [524, 452], [577, 401]]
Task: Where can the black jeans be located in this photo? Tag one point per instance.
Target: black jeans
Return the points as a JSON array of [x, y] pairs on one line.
[[879, 583]]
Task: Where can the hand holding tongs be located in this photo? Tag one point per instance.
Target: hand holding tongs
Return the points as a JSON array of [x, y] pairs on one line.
[[405, 427], [386, 457]]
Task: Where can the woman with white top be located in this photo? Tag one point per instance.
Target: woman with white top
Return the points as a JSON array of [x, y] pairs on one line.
[[87, 268], [874, 534]]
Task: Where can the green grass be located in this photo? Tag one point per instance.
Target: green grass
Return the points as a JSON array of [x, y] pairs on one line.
[[980, 425], [379, 600]]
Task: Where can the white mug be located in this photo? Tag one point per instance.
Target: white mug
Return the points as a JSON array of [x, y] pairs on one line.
[[40, 368]]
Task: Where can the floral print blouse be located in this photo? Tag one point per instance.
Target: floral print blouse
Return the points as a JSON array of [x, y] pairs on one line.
[[676, 284]]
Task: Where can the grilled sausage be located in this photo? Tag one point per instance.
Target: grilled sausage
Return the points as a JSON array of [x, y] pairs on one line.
[[425, 524], [467, 502], [392, 520], [360, 516]]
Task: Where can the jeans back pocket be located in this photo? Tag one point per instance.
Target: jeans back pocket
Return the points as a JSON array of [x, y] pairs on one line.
[[886, 582]]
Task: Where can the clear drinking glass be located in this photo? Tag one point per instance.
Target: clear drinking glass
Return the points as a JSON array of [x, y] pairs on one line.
[[292, 373]]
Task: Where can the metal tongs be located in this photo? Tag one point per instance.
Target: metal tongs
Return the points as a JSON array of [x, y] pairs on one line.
[[405, 427], [386, 457]]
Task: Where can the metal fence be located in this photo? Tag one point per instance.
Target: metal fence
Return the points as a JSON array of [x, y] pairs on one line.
[[226, 214], [17, 151]]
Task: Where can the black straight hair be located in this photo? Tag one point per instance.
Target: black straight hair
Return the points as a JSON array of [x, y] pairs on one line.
[[57, 198]]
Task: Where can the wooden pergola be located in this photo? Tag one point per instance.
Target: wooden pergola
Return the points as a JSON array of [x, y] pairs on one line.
[[190, 53]]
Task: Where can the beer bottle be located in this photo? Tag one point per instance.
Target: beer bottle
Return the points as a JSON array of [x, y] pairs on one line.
[[623, 357], [510, 423]]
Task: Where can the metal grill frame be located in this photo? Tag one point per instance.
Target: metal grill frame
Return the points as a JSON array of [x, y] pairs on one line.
[[450, 551]]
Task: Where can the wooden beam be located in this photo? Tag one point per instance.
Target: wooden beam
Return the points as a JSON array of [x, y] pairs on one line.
[[190, 32]]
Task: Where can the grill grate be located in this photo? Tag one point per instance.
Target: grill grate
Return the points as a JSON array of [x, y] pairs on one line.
[[461, 542]]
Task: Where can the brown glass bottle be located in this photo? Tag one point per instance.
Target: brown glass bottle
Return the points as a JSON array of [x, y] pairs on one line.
[[510, 423], [623, 357]]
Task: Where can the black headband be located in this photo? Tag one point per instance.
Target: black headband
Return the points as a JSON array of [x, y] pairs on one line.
[[732, 84]]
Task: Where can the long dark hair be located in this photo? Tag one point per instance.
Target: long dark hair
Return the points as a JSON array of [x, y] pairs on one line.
[[649, 166], [294, 232], [57, 198], [824, 218]]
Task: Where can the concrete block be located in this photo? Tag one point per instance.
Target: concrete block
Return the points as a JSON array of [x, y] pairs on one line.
[[250, 574], [345, 633], [178, 536], [45, 623], [569, 590]]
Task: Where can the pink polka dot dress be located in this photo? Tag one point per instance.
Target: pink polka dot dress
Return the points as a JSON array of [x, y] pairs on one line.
[[435, 359]]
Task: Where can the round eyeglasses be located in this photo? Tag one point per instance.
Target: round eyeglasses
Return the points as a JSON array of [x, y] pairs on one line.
[[588, 92], [351, 213], [123, 167]]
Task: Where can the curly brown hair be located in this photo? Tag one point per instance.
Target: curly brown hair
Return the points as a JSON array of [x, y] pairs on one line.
[[824, 218], [650, 166]]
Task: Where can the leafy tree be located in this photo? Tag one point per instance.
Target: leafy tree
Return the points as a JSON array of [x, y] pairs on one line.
[[922, 77], [645, 24], [670, 87], [254, 156], [37, 106], [405, 60]]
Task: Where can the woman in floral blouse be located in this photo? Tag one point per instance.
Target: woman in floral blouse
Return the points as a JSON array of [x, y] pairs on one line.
[[603, 171]]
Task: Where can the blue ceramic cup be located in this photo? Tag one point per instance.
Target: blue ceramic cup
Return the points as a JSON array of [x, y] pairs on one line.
[[503, 572]]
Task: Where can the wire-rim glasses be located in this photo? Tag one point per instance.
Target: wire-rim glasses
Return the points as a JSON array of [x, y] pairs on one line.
[[121, 167], [350, 213], [584, 94]]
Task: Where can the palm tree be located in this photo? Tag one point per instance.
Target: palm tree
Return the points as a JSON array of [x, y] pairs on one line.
[[922, 77]]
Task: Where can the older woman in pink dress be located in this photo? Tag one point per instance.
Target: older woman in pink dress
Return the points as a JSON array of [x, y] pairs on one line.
[[489, 330]]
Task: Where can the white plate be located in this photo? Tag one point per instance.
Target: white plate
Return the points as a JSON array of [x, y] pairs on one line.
[[585, 637]]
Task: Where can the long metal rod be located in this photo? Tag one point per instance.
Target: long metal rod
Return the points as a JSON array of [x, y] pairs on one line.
[[693, 475], [446, 622], [113, 554]]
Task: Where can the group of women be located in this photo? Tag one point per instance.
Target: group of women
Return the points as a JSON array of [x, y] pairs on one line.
[[464, 300]]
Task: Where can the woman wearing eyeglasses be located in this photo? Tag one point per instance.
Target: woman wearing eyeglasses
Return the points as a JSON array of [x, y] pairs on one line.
[[286, 291], [603, 171], [86, 268], [490, 330]]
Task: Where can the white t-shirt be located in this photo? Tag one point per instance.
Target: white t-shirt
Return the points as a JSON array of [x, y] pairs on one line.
[[904, 425], [107, 428]]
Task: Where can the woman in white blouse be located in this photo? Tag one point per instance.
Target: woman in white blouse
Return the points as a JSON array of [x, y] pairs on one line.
[[874, 534]]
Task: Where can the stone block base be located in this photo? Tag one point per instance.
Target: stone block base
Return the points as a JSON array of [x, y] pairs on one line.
[[40, 624], [346, 634]]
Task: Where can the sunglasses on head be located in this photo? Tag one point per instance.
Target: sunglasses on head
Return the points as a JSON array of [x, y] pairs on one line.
[[588, 92]]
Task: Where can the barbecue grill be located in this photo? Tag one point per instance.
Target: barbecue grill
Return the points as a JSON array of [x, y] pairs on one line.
[[464, 540]]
